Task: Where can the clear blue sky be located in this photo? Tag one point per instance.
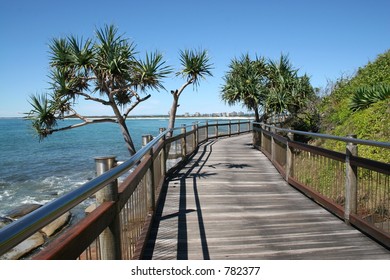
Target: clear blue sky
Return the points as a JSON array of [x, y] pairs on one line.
[[324, 39]]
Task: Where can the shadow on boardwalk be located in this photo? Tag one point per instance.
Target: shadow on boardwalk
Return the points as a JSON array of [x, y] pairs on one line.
[[194, 171], [229, 202]]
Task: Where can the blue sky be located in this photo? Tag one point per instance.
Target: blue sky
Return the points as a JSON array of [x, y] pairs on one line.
[[325, 39]]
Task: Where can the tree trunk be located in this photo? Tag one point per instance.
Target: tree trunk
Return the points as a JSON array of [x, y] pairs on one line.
[[127, 137], [122, 124], [172, 114], [264, 118], [257, 117]]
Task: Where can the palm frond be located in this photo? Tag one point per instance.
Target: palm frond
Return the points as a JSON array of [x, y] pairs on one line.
[[148, 73], [42, 115], [60, 53], [66, 83], [114, 54], [367, 95], [195, 65], [80, 53], [243, 82]]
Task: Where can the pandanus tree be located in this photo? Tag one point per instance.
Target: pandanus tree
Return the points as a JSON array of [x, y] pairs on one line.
[[105, 71], [272, 86], [195, 65], [245, 83], [287, 91]]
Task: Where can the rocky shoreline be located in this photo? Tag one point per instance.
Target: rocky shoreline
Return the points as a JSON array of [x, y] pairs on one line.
[[38, 239]]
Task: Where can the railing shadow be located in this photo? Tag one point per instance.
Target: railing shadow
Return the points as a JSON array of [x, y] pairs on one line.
[[194, 171]]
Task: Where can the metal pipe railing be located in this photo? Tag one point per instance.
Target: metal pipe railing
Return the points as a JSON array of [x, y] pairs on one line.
[[330, 137]]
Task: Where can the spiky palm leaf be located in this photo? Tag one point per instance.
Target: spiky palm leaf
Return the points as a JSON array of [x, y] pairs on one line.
[[365, 96], [114, 54], [42, 115], [195, 65], [287, 91], [81, 54], [65, 83], [243, 82], [60, 53], [148, 73]]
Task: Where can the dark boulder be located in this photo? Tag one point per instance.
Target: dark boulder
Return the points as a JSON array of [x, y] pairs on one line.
[[22, 210], [4, 221], [37, 239]]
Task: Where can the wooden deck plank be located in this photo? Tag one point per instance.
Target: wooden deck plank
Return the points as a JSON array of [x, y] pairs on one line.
[[229, 202]]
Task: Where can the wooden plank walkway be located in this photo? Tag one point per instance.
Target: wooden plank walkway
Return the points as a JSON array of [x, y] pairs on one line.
[[229, 202]]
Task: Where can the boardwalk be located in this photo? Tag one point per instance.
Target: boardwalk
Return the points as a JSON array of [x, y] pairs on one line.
[[229, 202]]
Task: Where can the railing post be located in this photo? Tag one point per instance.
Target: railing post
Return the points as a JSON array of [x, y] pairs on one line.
[[262, 137], [207, 130], [109, 239], [197, 134], [273, 144], [149, 177], [150, 187], [230, 128], [183, 141], [216, 129], [256, 136], [194, 137], [146, 139], [350, 180], [163, 153], [289, 156], [238, 127]]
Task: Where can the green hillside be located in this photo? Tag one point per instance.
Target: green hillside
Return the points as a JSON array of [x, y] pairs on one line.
[[373, 122]]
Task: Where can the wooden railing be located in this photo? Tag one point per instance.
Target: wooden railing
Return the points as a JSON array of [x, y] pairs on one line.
[[118, 227], [354, 188]]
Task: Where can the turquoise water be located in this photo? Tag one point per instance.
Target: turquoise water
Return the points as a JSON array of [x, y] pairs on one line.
[[37, 172]]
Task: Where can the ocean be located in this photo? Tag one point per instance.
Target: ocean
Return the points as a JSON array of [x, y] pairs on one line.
[[38, 172]]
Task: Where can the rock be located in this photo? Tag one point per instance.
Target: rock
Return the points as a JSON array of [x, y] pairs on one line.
[[22, 210], [4, 221], [56, 225], [37, 239], [25, 247], [90, 208]]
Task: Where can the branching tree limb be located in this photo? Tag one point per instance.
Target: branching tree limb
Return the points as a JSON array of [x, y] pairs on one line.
[[106, 66], [195, 66]]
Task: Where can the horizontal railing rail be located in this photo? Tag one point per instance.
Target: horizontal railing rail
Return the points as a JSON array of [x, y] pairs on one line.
[[354, 188], [119, 224], [325, 136]]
